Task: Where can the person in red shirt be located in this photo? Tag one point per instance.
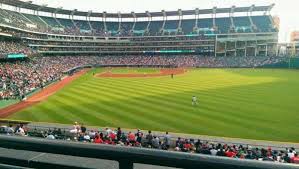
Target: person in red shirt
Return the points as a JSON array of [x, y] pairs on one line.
[[230, 153], [131, 138], [98, 139], [295, 159], [112, 136], [187, 146]]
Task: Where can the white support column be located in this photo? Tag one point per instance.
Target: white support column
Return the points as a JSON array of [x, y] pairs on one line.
[[55, 16], [249, 14], [71, 16], [149, 20], [164, 21], [135, 20], [88, 20], [231, 16], [276, 52], [179, 28], [255, 49], [119, 21], [216, 45], [20, 13], [235, 48], [104, 20], [225, 48], [266, 54], [196, 19], [37, 14], [214, 15], [245, 49]]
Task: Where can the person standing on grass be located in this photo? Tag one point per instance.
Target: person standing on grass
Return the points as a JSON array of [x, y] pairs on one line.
[[194, 100]]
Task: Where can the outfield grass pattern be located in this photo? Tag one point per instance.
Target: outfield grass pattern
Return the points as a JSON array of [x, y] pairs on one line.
[[244, 103]]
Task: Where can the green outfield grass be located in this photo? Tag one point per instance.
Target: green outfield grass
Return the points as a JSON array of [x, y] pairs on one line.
[[245, 103]]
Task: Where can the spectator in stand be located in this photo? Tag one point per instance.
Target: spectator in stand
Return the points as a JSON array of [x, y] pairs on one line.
[[149, 139], [139, 136], [167, 141], [98, 139], [295, 159], [118, 134], [131, 138]]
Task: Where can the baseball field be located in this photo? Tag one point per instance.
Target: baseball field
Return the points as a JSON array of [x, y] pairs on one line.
[[243, 103]]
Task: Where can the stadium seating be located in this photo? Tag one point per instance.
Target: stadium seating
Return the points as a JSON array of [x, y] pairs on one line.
[[223, 25], [82, 27], [156, 141], [263, 23]]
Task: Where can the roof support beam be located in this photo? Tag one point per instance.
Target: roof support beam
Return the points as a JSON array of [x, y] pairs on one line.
[[135, 20], [149, 21], [119, 22], [249, 14], [180, 13], [88, 20], [195, 28], [214, 15], [104, 20], [164, 21], [71, 16], [231, 16], [55, 16], [37, 14]]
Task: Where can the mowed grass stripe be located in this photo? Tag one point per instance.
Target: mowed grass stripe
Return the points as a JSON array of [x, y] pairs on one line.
[[133, 106], [185, 117], [233, 102]]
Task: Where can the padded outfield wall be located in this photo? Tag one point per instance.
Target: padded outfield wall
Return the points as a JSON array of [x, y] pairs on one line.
[[292, 63]]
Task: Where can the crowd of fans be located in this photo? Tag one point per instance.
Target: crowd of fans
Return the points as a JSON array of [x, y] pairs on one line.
[[10, 47], [22, 77], [166, 142]]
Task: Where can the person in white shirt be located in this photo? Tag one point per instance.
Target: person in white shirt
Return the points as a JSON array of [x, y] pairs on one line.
[[194, 100], [20, 131]]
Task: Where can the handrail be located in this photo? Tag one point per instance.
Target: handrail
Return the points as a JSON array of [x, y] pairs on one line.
[[127, 156]]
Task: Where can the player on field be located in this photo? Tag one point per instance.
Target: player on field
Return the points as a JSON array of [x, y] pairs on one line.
[[194, 100]]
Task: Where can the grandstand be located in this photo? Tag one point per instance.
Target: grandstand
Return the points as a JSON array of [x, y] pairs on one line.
[[253, 34]]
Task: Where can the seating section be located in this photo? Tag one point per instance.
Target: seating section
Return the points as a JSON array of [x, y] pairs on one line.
[[155, 27], [66, 26], [263, 23], [223, 25], [188, 25], [242, 24], [50, 21]]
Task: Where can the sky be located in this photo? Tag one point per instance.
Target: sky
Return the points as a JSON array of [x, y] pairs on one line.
[[287, 10]]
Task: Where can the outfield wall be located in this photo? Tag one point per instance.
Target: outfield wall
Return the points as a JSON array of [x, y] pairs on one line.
[[292, 63]]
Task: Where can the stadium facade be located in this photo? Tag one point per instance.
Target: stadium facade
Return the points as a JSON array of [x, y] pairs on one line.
[[235, 31]]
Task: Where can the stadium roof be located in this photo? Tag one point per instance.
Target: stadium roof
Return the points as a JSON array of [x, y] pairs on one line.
[[44, 8]]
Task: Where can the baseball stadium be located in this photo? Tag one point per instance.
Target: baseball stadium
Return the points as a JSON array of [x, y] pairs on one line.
[[199, 88]]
